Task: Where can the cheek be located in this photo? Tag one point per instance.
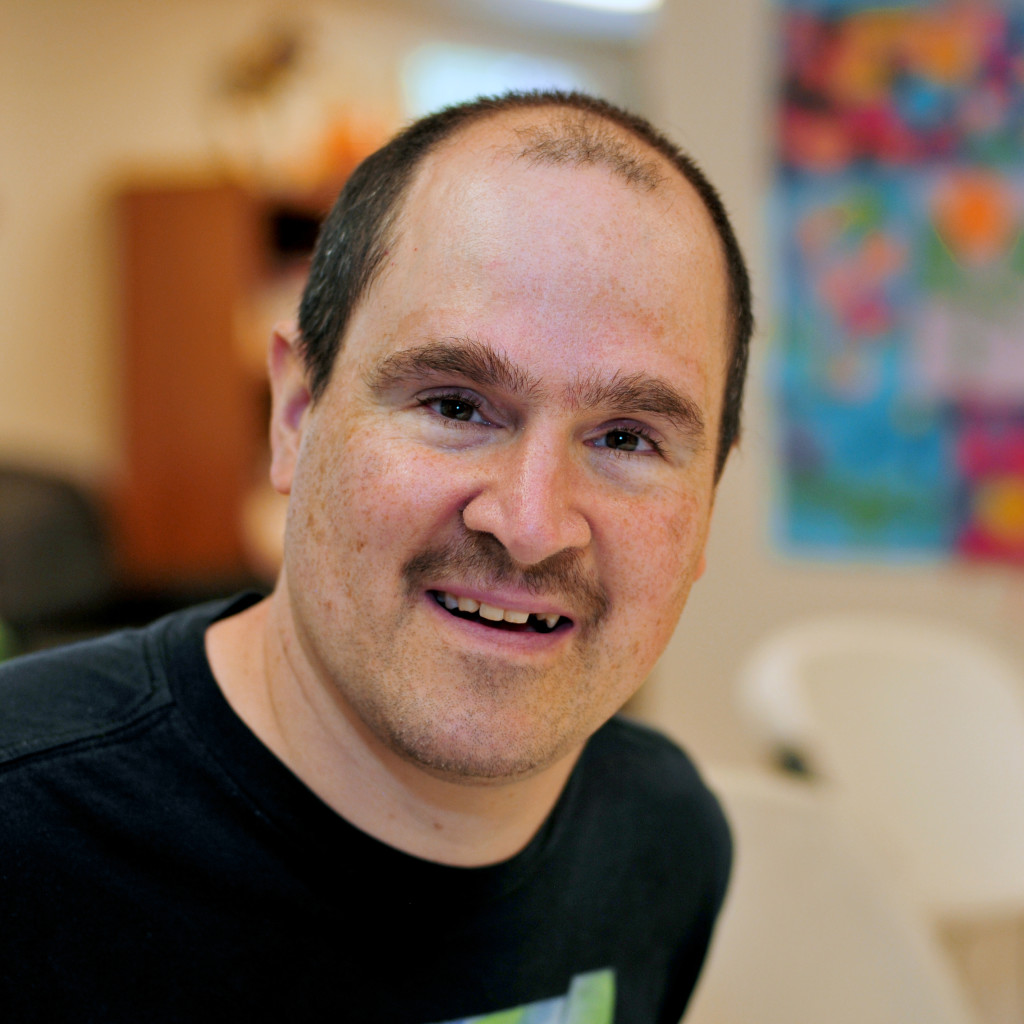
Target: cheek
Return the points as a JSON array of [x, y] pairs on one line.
[[660, 558], [366, 496]]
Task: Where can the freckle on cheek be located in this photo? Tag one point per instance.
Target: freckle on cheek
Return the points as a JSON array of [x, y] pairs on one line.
[[313, 528]]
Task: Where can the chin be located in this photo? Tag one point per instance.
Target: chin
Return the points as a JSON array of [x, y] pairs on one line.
[[479, 760]]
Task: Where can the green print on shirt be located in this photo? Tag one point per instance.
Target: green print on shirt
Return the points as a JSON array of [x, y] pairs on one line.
[[590, 1000]]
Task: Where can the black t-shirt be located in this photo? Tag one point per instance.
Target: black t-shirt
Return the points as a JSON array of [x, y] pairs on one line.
[[158, 863]]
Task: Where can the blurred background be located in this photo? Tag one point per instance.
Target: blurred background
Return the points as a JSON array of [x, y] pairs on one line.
[[163, 168]]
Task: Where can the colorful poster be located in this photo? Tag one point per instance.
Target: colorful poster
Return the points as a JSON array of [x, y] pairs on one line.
[[898, 213]]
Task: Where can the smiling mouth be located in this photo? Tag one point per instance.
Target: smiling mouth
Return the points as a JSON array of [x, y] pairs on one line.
[[499, 618]]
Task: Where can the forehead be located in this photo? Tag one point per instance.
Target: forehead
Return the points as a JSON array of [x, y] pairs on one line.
[[496, 246], [507, 167]]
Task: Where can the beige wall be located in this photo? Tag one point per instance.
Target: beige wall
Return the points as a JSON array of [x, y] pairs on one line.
[[90, 88]]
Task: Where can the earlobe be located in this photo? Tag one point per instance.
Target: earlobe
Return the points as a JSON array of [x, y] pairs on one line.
[[291, 398], [701, 566]]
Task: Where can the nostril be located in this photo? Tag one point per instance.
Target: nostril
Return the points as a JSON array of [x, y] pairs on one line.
[[531, 521]]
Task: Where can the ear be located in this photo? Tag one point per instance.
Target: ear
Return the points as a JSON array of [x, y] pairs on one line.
[[701, 565], [291, 398]]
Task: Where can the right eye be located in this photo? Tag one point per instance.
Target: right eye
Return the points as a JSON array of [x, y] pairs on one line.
[[457, 408]]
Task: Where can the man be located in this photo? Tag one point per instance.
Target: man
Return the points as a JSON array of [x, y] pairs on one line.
[[391, 792]]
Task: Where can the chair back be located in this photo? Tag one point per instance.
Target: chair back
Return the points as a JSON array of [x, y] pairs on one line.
[[922, 728], [813, 931]]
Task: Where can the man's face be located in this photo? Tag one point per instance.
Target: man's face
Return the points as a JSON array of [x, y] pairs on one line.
[[520, 426]]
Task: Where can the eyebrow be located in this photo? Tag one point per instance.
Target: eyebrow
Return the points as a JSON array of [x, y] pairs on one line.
[[641, 392], [462, 357], [483, 366]]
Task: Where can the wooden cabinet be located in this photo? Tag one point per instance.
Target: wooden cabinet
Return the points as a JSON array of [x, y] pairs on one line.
[[195, 260]]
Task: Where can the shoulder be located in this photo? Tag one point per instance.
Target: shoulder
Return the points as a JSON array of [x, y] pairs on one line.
[[58, 696], [648, 781], [91, 689], [623, 745]]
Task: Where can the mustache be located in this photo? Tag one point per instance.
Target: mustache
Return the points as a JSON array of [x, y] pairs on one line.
[[480, 558]]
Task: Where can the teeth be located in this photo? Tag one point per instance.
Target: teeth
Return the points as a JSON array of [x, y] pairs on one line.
[[492, 612]]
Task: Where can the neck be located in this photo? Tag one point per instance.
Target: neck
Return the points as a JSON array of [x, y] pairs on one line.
[[259, 665]]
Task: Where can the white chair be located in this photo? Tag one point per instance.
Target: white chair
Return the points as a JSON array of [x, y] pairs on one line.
[[921, 727], [812, 931]]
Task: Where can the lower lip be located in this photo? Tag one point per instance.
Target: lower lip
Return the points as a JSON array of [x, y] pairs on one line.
[[525, 640]]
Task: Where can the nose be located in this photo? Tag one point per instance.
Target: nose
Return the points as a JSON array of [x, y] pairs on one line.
[[531, 502]]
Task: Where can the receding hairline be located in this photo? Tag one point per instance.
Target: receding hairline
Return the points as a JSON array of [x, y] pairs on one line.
[[581, 138], [556, 134]]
